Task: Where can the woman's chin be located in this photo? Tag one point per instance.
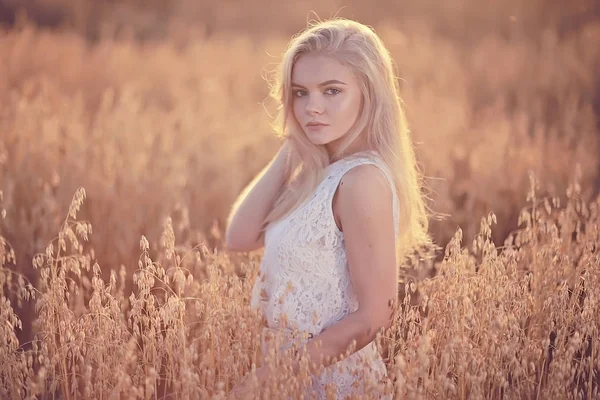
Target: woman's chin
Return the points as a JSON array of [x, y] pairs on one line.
[[318, 140]]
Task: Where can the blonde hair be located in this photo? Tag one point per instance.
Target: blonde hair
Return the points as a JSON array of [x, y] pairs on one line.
[[381, 119]]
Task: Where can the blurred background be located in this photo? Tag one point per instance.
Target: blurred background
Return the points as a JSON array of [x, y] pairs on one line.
[[159, 108]]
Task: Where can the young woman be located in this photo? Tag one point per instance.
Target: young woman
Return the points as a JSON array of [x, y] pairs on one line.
[[338, 205]]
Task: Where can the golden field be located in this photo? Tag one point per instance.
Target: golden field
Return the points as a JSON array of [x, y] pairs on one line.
[[125, 137]]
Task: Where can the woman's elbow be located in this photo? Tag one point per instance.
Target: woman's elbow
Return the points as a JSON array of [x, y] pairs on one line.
[[232, 241], [375, 323]]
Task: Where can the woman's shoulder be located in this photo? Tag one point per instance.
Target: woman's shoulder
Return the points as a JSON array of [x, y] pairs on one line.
[[366, 182], [360, 171], [364, 192], [369, 177]]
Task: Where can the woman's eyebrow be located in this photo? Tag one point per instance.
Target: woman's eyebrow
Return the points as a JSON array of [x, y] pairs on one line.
[[329, 82]]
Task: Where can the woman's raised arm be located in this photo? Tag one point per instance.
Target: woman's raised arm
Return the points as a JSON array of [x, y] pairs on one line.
[[244, 223]]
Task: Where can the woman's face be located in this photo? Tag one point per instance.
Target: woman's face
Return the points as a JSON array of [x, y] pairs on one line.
[[326, 99]]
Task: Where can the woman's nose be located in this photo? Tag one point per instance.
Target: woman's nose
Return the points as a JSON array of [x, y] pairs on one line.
[[314, 107]]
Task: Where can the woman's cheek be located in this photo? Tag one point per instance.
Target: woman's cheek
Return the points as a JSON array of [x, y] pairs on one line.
[[296, 111], [341, 106]]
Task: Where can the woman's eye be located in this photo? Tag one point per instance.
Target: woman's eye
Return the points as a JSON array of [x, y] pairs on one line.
[[302, 93], [299, 93]]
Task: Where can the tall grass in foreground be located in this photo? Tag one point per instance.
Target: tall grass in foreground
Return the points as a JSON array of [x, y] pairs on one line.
[[520, 320]]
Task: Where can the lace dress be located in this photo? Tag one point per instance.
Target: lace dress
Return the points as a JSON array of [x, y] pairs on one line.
[[304, 282]]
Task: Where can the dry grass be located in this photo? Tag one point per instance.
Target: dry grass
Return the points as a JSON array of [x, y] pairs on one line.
[[164, 134], [521, 321]]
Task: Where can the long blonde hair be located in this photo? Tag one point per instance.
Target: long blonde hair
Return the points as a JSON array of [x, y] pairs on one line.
[[381, 119]]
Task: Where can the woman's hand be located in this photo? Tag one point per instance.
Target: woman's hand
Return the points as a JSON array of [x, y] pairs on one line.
[[244, 389]]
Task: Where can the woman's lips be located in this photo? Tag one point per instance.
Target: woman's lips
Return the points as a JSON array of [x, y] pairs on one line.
[[316, 127]]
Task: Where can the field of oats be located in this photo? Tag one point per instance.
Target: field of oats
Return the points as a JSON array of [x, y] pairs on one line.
[[127, 130]]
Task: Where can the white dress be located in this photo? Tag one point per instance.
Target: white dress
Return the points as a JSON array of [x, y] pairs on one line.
[[304, 278]]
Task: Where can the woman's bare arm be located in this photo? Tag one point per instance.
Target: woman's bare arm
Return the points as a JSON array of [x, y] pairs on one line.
[[244, 223]]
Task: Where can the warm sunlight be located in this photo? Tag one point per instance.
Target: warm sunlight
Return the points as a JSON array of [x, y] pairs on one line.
[[129, 129]]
